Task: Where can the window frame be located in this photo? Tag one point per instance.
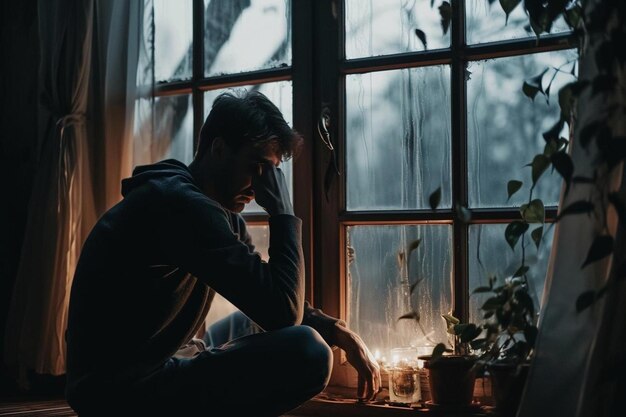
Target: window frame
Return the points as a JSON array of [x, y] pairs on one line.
[[332, 217]]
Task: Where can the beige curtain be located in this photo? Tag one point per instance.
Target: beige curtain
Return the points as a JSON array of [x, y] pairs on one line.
[[61, 209], [580, 362], [88, 76]]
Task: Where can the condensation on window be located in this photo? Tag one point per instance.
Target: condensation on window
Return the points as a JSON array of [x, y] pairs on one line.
[[487, 22], [381, 27], [491, 256], [281, 94], [398, 138], [379, 289], [173, 31], [505, 127], [246, 35], [163, 128]]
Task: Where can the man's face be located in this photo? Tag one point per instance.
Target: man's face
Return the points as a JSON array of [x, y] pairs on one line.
[[235, 171]]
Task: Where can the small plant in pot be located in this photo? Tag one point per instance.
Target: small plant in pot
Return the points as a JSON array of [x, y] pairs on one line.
[[508, 340], [452, 367]]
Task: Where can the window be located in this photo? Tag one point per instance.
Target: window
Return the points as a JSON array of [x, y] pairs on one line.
[[405, 117]]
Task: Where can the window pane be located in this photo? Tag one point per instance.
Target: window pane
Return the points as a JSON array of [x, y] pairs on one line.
[[172, 40], [382, 27], [490, 255], [246, 35], [221, 307], [398, 138], [505, 127], [486, 22], [378, 294], [280, 93], [163, 129]]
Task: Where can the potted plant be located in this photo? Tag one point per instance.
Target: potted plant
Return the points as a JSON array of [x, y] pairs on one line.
[[508, 340], [452, 368]]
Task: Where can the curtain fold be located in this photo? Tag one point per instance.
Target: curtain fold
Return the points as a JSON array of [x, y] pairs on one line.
[[61, 210], [577, 352]]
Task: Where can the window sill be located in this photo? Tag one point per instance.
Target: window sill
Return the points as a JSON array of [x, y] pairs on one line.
[[340, 402]]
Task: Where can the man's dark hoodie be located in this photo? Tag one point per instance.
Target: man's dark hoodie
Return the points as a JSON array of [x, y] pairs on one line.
[[149, 270]]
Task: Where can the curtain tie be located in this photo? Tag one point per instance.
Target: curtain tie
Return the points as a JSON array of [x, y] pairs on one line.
[[69, 120]]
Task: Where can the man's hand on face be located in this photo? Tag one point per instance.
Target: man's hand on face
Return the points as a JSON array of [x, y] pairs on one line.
[[271, 190], [362, 360]]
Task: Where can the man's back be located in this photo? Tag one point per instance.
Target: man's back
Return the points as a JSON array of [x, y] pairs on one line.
[[131, 307]]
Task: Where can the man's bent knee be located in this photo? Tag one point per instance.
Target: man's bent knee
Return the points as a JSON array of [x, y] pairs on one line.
[[314, 356]]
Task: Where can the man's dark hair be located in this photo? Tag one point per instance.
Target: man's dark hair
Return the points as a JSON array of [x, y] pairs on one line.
[[248, 117]]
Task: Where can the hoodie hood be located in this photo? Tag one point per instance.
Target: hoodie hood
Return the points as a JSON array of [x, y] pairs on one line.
[[158, 171]]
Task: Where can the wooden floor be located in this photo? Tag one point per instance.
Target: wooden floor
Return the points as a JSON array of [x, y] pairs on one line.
[[320, 406], [35, 407]]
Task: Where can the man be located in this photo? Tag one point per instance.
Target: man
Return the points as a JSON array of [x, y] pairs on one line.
[[152, 264]]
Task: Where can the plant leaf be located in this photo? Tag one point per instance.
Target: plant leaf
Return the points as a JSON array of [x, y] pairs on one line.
[[422, 37], [564, 166], [512, 187], [554, 132], [508, 6], [536, 235], [585, 300], [478, 343], [481, 289], [521, 271], [572, 16], [435, 198], [513, 232], [445, 11], [530, 334], [470, 332], [491, 304], [524, 299], [534, 212], [438, 351], [539, 165], [601, 247], [450, 319], [577, 207], [413, 315], [413, 245]]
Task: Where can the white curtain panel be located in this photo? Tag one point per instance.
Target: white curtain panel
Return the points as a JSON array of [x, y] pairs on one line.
[[576, 352]]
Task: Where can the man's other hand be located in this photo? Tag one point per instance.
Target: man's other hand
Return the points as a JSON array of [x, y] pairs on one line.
[[362, 360], [271, 190]]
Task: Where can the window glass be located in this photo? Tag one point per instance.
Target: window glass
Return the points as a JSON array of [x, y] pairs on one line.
[[379, 291], [398, 138], [505, 126], [486, 22], [382, 27], [163, 129], [490, 255], [173, 30], [244, 36]]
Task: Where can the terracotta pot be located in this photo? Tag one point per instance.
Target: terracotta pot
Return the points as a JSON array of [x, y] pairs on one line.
[[508, 382], [451, 379]]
